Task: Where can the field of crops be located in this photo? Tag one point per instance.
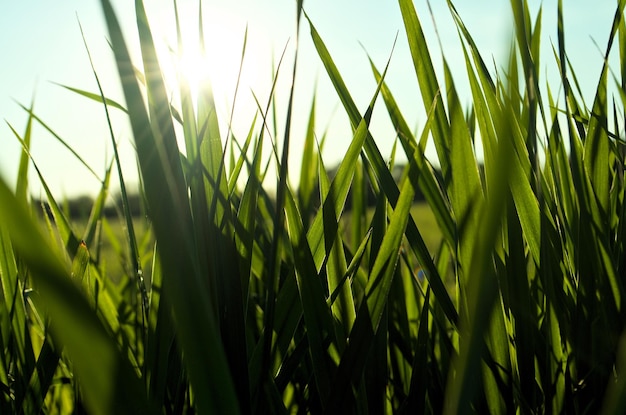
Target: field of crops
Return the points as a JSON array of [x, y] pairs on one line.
[[238, 299]]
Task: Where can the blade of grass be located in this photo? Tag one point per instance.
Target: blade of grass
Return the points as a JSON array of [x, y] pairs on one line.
[[60, 140], [66, 232], [22, 173], [482, 290], [427, 80], [99, 205], [94, 97]]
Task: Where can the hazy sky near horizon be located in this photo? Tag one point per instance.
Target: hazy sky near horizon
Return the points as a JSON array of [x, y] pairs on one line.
[[41, 46]]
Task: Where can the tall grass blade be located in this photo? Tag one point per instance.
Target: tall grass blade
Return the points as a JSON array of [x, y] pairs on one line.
[[68, 236], [99, 205], [21, 189], [95, 97], [428, 83], [482, 289]]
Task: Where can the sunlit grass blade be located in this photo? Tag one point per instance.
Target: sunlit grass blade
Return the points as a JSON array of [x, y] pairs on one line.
[[21, 189], [524, 34], [596, 156], [92, 226], [237, 166], [308, 169], [95, 97], [246, 220], [428, 83], [482, 288], [95, 215], [68, 235], [60, 140], [465, 190], [343, 308], [427, 180], [337, 194]]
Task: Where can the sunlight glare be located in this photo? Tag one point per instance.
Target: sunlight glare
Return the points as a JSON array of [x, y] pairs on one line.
[[220, 62]]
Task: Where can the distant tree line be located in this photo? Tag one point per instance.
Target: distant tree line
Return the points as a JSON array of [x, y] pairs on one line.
[[80, 207]]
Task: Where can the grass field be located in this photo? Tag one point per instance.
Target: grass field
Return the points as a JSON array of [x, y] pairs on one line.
[[502, 294]]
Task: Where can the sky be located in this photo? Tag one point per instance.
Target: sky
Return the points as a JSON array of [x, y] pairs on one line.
[[41, 47]]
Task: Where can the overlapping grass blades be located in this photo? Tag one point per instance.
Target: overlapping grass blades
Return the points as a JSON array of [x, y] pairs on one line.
[[192, 304], [261, 302]]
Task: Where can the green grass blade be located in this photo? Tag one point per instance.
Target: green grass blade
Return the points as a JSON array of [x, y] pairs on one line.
[[95, 216], [95, 97], [68, 236], [160, 367], [416, 401], [316, 313], [343, 308], [427, 181], [466, 189], [22, 173], [42, 378], [60, 140], [482, 290], [526, 202], [308, 169], [596, 156], [428, 83]]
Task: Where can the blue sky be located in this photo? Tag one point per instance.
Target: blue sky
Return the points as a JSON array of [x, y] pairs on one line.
[[41, 45]]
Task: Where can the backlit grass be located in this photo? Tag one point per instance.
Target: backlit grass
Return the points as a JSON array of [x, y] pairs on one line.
[[259, 302]]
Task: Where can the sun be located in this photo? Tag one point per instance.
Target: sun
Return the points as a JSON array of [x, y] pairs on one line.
[[219, 62]]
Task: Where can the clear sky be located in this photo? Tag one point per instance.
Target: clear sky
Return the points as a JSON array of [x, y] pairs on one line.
[[41, 44]]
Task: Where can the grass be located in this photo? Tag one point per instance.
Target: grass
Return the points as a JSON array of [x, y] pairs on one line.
[[259, 303]]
